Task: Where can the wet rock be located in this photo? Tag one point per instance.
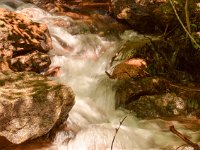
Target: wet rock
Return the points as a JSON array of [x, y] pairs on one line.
[[165, 105], [31, 105], [153, 97], [21, 37], [156, 53], [92, 16], [134, 67], [132, 89]]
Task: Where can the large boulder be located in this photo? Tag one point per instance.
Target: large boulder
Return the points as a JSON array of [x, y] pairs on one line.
[[30, 106], [24, 41]]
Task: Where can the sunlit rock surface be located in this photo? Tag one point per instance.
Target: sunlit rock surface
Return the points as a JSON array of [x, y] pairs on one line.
[[134, 67], [20, 37], [31, 105]]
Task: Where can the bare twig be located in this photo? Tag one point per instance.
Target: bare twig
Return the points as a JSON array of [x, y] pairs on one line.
[[194, 145], [191, 38], [171, 31], [184, 145], [166, 28], [116, 131]]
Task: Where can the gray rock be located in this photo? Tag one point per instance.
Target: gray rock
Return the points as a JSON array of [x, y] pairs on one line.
[[31, 105]]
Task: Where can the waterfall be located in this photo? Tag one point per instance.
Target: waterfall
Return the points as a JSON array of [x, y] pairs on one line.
[[83, 58]]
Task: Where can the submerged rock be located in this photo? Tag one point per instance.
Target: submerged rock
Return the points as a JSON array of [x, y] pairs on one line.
[[30, 106], [21, 37]]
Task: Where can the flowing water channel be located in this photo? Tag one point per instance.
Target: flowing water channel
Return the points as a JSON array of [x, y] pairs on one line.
[[83, 58]]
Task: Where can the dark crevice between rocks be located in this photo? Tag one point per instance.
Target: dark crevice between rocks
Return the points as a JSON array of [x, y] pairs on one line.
[[24, 52]]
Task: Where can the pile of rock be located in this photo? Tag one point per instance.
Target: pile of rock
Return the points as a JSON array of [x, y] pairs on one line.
[[23, 44]]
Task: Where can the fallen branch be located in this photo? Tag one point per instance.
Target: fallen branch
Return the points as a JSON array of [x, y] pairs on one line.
[[116, 131], [194, 145]]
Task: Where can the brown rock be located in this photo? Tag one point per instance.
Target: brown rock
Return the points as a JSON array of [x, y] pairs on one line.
[[145, 16], [139, 17], [20, 36], [132, 89], [53, 72], [30, 106], [35, 61], [153, 97], [132, 68]]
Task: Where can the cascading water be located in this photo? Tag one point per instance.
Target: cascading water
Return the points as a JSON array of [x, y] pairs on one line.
[[93, 120]]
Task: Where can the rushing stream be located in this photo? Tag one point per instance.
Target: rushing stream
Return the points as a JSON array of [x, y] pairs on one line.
[[83, 58]]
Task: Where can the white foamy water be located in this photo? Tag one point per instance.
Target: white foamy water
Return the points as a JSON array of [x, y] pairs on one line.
[[93, 119]]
